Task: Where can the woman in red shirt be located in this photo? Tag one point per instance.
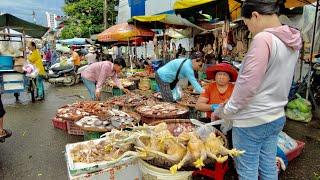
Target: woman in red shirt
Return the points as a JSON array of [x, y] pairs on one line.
[[219, 91]]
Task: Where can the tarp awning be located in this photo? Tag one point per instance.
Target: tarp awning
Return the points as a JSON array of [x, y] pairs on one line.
[[163, 21], [73, 41], [22, 26], [184, 4]]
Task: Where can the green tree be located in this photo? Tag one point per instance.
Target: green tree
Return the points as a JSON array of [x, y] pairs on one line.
[[85, 17]]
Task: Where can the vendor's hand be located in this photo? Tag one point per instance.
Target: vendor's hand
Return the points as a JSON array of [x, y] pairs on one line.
[[98, 94], [214, 117]]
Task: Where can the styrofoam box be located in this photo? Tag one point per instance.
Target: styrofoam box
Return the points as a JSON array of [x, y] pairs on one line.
[[12, 77], [84, 168], [13, 86], [123, 171]]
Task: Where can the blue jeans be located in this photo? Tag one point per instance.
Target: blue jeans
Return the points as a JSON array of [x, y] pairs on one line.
[[260, 145], [40, 87], [91, 86]]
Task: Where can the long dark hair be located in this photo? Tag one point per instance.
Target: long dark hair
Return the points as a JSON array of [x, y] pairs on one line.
[[264, 7]]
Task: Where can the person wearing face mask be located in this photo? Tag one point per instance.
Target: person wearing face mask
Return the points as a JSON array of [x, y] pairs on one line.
[[256, 106], [218, 91], [96, 74]]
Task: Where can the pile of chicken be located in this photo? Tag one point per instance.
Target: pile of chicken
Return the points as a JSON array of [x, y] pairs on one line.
[[158, 144]]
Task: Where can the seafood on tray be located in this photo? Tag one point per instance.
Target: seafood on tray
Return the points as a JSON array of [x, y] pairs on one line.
[[104, 150], [129, 100], [189, 99], [78, 110], [115, 119], [162, 108], [124, 82], [94, 122], [71, 113]]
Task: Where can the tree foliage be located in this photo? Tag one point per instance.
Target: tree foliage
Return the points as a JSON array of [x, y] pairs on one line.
[[85, 17]]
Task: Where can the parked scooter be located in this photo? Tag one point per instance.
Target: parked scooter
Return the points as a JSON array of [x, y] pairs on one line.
[[62, 76]]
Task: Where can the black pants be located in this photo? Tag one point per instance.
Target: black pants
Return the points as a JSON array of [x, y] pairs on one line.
[[2, 111]]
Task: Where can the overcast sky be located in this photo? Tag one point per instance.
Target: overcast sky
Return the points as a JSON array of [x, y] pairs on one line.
[[24, 8]]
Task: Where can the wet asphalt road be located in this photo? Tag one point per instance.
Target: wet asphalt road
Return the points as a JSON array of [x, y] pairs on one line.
[[36, 149]]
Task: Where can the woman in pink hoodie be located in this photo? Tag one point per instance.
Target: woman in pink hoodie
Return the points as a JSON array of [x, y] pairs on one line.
[[256, 106], [96, 74]]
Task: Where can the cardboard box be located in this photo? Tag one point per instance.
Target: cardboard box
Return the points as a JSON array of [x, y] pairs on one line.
[[123, 171], [85, 168]]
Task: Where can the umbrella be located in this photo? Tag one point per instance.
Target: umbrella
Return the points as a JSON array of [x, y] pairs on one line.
[[162, 21], [123, 32]]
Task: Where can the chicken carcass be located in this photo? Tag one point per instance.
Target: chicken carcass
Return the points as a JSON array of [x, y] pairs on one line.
[[215, 149], [196, 152]]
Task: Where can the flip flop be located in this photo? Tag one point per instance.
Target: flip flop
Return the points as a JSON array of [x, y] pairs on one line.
[[8, 134]]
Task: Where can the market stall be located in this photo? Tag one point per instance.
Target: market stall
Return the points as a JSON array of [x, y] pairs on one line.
[[13, 58]]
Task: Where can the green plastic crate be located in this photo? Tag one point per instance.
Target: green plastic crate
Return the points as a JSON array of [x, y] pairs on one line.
[[117, 92], [88, 135], [154, 85]]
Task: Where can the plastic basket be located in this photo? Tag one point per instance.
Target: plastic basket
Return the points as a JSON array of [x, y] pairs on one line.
[[73, 129], [59, 123], [117, 92], [295, 152], [89, 135]]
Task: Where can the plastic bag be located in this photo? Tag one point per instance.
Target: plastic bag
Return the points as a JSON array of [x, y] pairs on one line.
[[286, 143], [31, 70], [299, 109]]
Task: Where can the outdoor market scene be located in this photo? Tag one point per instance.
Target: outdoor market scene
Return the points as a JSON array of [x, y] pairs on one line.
[[159, 90]]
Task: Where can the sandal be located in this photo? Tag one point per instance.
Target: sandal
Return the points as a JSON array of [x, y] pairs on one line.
[[5, 134]]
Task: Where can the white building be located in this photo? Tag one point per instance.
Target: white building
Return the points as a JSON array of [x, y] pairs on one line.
[[51, 20], [127, 8]]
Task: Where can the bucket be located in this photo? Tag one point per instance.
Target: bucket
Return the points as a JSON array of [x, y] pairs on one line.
[[6, 62], [150, 172]]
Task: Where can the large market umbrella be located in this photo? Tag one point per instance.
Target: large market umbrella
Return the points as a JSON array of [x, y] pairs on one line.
[[123, 32], [162, 21]]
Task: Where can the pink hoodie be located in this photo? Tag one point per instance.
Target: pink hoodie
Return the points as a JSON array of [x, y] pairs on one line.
[[99, 72], [264, 81]]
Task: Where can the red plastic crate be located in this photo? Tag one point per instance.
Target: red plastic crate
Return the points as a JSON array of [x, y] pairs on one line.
[[73, 129], [218, 173], [295, 152], [59, 123]]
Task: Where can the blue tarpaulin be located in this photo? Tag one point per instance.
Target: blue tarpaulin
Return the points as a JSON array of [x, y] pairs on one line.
[[138, 7], [73, 41]]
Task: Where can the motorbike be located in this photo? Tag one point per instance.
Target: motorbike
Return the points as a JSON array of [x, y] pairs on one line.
[[64, 75]]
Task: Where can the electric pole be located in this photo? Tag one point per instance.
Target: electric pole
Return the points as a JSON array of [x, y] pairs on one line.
[[105, 7], [34, 17]]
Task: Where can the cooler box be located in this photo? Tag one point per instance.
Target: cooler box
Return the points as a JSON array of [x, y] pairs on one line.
[[6, 62]]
